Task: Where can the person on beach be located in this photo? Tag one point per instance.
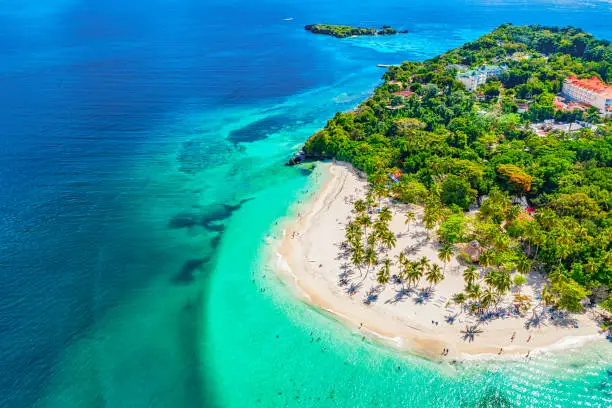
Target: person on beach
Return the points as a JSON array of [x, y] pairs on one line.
[[501, 350], [529, 338], [512, 338]]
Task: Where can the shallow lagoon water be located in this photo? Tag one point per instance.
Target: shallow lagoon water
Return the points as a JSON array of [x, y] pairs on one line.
[[118, 117]]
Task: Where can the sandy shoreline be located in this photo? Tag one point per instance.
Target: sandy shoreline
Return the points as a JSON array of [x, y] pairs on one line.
[[306, 257]]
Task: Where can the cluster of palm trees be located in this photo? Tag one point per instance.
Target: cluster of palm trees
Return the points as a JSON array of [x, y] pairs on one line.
[[369, 237], [491, 289], [412, 272]]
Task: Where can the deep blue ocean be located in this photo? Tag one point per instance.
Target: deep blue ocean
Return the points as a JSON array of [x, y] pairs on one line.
[[141, 151]]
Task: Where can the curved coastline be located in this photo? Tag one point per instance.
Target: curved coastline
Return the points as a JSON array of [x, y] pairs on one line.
[[307, 264]]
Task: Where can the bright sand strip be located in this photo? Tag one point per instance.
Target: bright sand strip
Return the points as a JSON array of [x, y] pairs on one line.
[[307, 258]]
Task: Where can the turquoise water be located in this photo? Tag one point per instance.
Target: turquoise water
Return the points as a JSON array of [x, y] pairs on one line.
[[127, 283]]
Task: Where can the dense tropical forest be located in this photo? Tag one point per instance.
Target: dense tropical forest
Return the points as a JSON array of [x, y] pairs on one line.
[[533, 201], [344, 31]]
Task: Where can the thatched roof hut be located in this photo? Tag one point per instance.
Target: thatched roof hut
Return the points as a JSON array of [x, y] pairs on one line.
[[473, 249]]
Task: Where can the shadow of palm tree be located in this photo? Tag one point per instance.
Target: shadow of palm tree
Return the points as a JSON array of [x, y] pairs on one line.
[[411, 250], [534, 321], [470, 332], [370, 298], [344, 254], [399, 296], [353, 288], [372, 294]]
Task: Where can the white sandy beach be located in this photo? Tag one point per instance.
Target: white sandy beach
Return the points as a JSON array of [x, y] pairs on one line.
[[307, 258]]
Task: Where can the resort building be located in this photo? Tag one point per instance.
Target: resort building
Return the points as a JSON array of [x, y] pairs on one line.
[[590, 91], [474, 78], [404, 94], [566, 104]]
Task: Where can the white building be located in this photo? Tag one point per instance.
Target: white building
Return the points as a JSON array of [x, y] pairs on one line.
[[476, 77], [591, 91]]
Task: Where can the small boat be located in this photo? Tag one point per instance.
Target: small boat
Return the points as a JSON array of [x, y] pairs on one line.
[[288, 19]]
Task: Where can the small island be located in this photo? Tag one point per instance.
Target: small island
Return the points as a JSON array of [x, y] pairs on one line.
[[344, 31], [467, 207]]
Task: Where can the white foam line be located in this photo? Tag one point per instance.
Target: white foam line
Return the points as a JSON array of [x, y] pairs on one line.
[[397, 339], [282, 264]]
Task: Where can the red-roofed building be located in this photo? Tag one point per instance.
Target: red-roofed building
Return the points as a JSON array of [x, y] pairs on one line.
[[405, 94], [590, 91], [563, 104]]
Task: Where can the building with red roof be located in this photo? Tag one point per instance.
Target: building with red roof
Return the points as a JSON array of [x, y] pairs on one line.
[[592, 91], [561, 103], [405, 94]]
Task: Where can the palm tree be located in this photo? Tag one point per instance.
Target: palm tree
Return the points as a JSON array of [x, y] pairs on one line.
[[385, 215], [522, 301], [357, 257], [519, 281], [360, 206], [431, 216], [423, 264], [410, 217], [370, 199], [413, 273], [364, 221], [372, 240], [489, 279], [523, 265], [434, 275], [565, 244], [470, 274], [486, 258], [534, 236], [380, 229], [401, 260], [383, 275], [445, 253], [389, 240], [353, 232], [547, 296], [370, 258], [379, 191], [487, 298], [354, 242], [459, 298], [473, 291], [502, 281]]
